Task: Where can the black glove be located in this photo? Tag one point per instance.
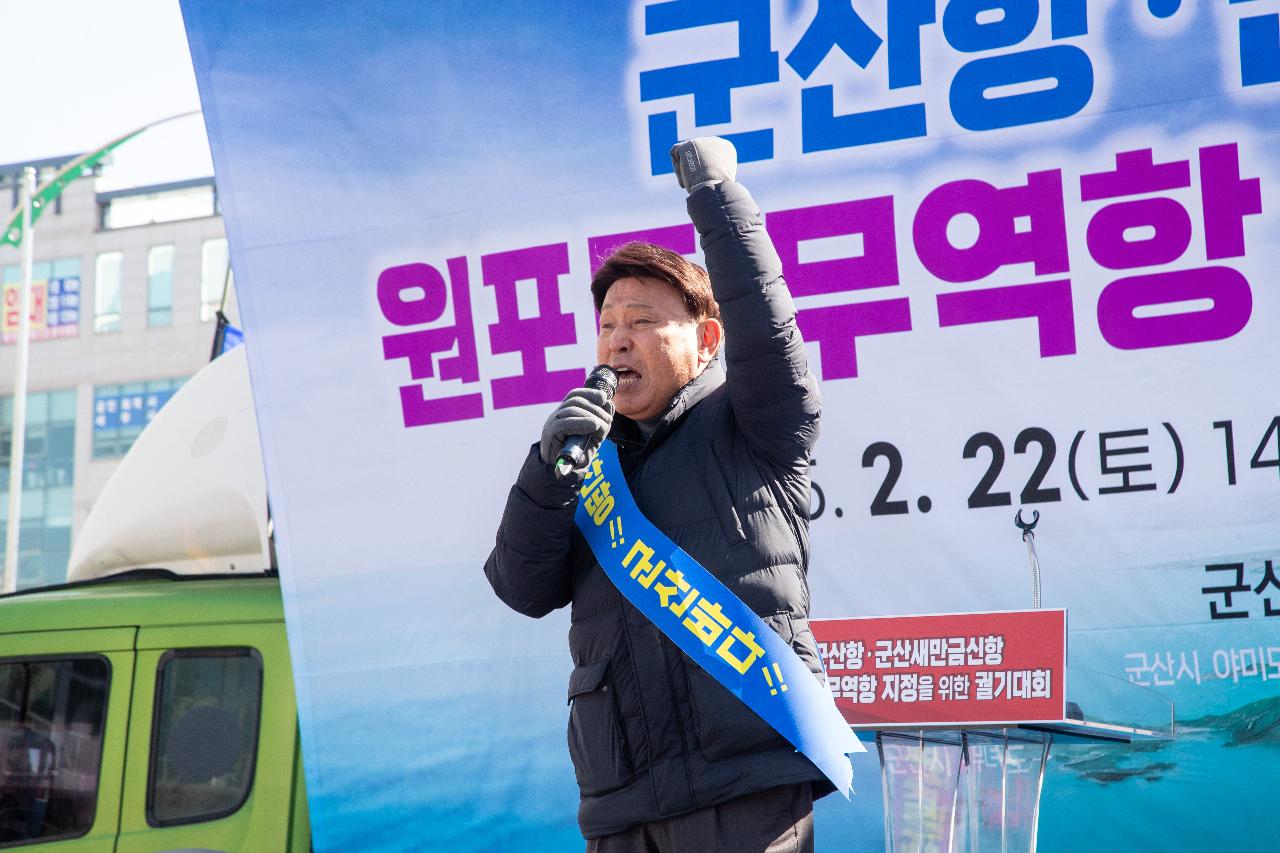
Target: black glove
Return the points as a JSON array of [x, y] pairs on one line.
[[585, 411], [705, 160]]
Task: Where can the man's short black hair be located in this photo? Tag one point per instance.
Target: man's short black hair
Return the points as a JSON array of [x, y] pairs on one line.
[[647, 261]]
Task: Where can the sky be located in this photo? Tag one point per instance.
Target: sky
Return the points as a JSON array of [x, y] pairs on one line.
[[87, 71]]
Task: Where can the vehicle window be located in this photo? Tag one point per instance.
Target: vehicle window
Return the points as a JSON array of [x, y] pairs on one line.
[[205, 735], [51, 719]]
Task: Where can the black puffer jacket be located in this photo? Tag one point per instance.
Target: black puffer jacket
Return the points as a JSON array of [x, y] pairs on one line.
[[726, 476]]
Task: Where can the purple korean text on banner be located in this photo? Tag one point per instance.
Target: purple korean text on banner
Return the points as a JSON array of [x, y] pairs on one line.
[[1043, 244], [836, 328], [426, 349], [681, 239], [1226, 200], [530, 336]]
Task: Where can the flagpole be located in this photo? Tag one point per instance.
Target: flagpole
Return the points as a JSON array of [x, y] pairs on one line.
[[19, 426]]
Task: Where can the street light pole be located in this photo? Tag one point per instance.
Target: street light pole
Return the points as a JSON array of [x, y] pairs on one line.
[[33, 204], [19, 431]]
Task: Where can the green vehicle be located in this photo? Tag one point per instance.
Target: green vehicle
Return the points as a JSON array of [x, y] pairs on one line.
[[149, 712], [152, 710]]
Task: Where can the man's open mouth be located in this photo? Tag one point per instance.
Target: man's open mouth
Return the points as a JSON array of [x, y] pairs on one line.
[[626, 377]]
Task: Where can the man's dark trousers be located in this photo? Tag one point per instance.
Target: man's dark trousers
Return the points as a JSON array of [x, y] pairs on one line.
[[779, 820]]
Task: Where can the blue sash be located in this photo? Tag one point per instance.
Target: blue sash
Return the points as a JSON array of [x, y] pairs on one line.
[[709, 623]]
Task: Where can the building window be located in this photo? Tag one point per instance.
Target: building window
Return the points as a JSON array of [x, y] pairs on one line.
[[215, 277], [106, 292], [160, 286], [66, 268], [121, 412], [44, 540], [51, 725], [164, 203], [208, 705]]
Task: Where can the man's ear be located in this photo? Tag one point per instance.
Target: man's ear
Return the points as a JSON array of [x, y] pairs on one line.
[[710, 338]]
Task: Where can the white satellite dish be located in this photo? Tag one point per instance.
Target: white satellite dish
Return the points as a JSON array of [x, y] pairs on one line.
[[190, 495]]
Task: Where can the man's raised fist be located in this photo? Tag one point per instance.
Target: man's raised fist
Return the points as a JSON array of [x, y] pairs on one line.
[[705, 160]]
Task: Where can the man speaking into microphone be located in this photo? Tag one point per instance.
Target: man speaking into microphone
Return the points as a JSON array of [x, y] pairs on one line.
[[711, 425]]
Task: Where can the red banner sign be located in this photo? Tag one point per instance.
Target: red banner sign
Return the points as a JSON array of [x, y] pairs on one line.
[[956, 668]]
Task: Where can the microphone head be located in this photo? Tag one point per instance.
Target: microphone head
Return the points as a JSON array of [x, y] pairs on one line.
[[603, 378]]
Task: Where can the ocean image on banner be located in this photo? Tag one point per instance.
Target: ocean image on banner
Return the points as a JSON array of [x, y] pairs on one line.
[[1130, 401], [411, 734]]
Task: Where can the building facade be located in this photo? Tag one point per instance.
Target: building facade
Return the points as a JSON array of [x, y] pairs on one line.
[[126, 287]]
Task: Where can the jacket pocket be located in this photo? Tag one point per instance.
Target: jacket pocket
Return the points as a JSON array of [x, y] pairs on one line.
[[601, 760], [724, 724]]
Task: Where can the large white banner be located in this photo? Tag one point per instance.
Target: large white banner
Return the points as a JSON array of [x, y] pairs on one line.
[[1033, 247]]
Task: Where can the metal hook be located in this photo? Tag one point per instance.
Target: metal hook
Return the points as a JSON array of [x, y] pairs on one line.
[[1024, 526], [1030, 539]]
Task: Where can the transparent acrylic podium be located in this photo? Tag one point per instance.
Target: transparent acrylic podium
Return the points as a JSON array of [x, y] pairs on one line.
[[977, 788]]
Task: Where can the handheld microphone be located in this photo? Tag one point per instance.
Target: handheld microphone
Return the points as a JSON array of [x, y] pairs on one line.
[[573, 454]]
